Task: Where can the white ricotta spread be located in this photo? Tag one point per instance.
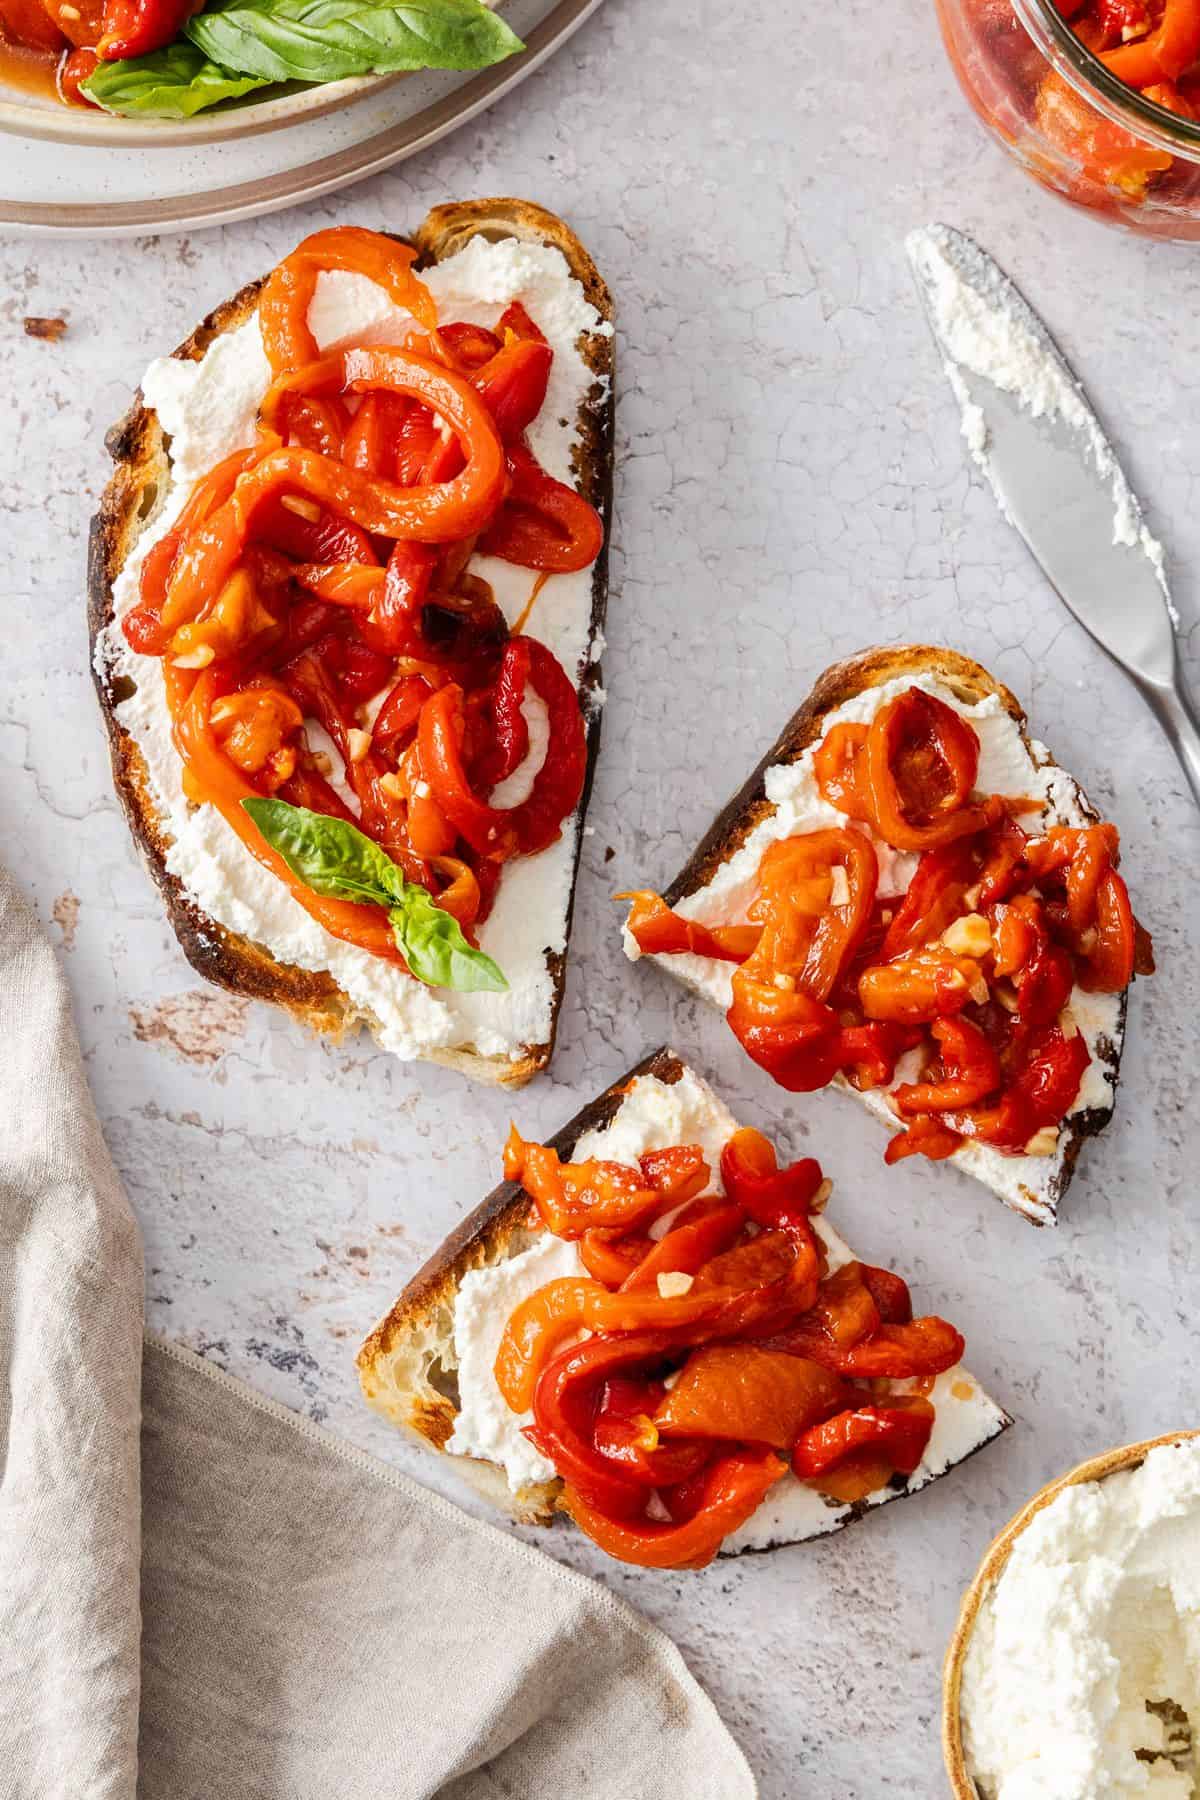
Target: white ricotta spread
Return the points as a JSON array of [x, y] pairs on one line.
[[982, 326], [1087, 1648], [208, 408], [1005, 767], [654, 1115]]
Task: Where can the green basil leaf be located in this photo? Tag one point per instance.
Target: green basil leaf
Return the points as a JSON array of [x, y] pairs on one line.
[[432, 944], [337, 860], [168, 84], [327, 40], [330, 856]]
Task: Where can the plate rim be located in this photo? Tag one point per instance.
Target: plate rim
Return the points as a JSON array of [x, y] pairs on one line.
[[82, 127], [323, 174]]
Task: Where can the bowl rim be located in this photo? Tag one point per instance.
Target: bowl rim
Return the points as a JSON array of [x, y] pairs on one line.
[[60, 124], [995, 1557], [1090, 77]]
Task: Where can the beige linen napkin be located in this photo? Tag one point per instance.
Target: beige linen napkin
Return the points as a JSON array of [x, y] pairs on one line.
[[313, 1625]]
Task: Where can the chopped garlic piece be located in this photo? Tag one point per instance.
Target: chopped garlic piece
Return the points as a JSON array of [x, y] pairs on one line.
[[304, 509], [358, 743], [968, 936], [673, 1283]]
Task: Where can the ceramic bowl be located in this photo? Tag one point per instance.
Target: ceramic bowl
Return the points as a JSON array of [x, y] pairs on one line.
[[1129, 1456]]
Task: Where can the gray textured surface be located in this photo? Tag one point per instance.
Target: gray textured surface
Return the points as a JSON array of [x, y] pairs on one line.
[[791, 486]]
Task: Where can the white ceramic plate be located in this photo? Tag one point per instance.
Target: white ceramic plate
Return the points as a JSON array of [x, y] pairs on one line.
[[181, 180]]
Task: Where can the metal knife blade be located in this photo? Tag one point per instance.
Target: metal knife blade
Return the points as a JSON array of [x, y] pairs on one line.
[[1033, 433]]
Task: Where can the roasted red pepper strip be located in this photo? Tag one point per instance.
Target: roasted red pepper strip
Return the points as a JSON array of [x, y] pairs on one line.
[[970, 1071], [543, 524], [658, 931], [1166, 53], [625, 1432], [921, 761], [728, 1492], [565, 1401], [687, 1247], [610, 1259], [917, 989], [1108, 967], [845, 1308], [897, 1431], [924, 1137], [575, 1197], [136, 27], [934, 898], [513, 385], [501, 832], [285, 299], [890, 1294], [926, 1346], [747, 1394], [773, 1197], [217, 781]]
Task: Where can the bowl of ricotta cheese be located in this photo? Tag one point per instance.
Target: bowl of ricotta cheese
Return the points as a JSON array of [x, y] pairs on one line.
[[1074, 1669]]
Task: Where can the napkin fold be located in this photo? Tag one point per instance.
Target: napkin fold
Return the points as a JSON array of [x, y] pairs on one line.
[[231, 1604]]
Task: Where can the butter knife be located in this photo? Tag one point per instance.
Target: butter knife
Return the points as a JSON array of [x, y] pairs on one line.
[[1031, 430]]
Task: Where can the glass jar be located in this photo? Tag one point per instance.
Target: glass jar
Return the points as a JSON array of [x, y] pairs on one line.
[[1038, 82]]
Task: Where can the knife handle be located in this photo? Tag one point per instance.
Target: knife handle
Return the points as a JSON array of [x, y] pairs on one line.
[[1176, 712]]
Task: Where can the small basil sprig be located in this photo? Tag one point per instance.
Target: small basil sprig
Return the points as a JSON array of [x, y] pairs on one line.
[[239, 45], [335, 859], [327, 40], [168, 84]]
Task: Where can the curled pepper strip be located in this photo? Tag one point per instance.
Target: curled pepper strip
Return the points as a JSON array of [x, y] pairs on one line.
[[215, 779], [536, 822], [970, 1071], [287, 295], [543, 524], [436, 513], [773, 1197], [729, 1492], [921, 762], [925, 1346], [897, 1431], [658, 931]]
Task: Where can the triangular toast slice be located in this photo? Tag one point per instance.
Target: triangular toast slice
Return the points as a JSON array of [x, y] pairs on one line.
[[780, 799], [427, 1365]]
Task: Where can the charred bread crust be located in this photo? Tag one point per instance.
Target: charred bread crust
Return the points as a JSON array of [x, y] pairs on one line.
[[404, 1365], [970, 682], [400, 1365], [137, 489]]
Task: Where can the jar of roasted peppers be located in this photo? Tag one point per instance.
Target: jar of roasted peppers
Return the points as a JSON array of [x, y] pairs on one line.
[[1098, 99]]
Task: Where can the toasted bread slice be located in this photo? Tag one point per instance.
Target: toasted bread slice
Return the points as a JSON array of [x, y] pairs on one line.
[[409, 1365], [134, 498], [1033, 1186]]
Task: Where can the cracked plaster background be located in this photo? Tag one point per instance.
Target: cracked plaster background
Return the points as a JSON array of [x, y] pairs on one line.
[[791, 486]]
